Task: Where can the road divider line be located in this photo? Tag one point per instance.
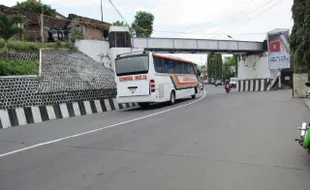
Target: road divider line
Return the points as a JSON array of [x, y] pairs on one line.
[[100, 129]]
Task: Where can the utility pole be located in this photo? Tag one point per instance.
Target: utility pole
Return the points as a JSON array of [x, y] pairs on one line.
[[42, 22], [101, 9]]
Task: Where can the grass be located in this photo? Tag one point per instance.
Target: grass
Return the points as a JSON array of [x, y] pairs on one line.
[[18, 67], [21, 46]]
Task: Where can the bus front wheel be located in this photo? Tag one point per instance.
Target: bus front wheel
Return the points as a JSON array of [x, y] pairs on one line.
[[194, 95]]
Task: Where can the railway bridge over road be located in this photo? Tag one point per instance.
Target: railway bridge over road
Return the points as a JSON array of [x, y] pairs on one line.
[[120, 41], [178, 45]]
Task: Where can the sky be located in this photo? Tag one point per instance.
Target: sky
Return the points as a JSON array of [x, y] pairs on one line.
[[204, 19]]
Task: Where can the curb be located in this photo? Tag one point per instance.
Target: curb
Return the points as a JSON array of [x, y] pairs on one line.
[[37, 114]]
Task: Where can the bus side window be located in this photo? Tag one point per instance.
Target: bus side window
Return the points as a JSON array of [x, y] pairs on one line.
[[191, 69], [186, 68], [178, 67], [158, 64], [170, 66]]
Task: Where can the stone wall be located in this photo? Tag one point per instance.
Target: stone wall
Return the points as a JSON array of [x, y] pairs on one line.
[[66, 70], [299, 88], [25, 56], [66, 76]]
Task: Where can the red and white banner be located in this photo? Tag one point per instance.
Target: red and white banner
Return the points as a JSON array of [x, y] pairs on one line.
[[183, 79]]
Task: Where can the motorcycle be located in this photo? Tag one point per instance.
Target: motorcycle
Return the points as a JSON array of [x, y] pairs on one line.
[[227, 88], [304, 139]]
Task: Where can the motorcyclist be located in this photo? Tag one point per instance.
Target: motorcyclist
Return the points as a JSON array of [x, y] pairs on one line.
[[226, 83], [227, 86]]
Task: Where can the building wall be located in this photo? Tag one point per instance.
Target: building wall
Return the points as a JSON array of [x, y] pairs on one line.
[[97, 50], [257, 67], [92, 33], [254, 66]]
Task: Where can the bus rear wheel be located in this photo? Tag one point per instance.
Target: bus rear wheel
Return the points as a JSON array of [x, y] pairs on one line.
[[172, 98], [144, 105]]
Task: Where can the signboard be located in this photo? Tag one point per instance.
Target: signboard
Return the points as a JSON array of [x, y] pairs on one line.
[[278, 50], [183, 79]]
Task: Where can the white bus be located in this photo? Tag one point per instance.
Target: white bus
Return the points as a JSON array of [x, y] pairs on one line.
[[146, 77]]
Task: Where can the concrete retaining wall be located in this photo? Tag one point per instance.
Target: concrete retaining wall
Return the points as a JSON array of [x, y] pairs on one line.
[[69, 84], [251, 85], [36, 114]]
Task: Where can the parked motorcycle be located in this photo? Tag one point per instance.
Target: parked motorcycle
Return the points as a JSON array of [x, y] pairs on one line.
[[304, 139]]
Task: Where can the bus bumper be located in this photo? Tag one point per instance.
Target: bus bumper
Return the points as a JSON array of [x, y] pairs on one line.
[[136, 99]]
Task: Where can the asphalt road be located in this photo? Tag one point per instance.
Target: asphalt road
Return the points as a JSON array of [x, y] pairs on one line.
[[239, 141]]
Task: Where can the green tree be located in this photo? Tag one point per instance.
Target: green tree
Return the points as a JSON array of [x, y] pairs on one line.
[[203, 66], [122, 23], [35, 7], [143, 24], [119, 23], [300, 36], [215, 66], [8, 29], [228, 62]]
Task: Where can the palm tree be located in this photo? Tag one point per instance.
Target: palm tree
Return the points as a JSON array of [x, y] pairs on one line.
[[8, 29]]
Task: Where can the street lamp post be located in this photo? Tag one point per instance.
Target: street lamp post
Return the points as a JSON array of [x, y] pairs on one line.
[[101, 10], [229, 36]]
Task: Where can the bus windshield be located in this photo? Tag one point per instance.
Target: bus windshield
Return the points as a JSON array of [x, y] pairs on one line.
[[136, 64]]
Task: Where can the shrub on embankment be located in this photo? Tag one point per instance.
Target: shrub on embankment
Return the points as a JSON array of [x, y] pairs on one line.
[[18, 67], [24, 56], [21, 46]]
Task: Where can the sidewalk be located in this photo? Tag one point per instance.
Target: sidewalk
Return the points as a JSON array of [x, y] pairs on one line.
[[307, 102]]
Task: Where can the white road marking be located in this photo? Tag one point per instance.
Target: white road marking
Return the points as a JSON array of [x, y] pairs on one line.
[[64, 110], [21, 116], [100, 129], [5, 120], [76, 109], [87, 107], [115, 104], [107, 104], [36, 114], [50, 112], [98, 106]]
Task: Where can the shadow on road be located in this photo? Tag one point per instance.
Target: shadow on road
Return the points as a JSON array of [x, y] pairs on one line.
[[157, 105]]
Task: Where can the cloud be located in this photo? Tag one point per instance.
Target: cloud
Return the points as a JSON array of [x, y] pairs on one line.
[[220, 17], [72, 3], [142, 9]]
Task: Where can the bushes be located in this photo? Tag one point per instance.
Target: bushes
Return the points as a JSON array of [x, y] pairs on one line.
[[20, 46], [18, 68]]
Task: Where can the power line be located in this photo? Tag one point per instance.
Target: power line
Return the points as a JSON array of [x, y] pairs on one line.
[[228, 17], [120, 14], [246, 14], [257, 15], [235, 6]]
